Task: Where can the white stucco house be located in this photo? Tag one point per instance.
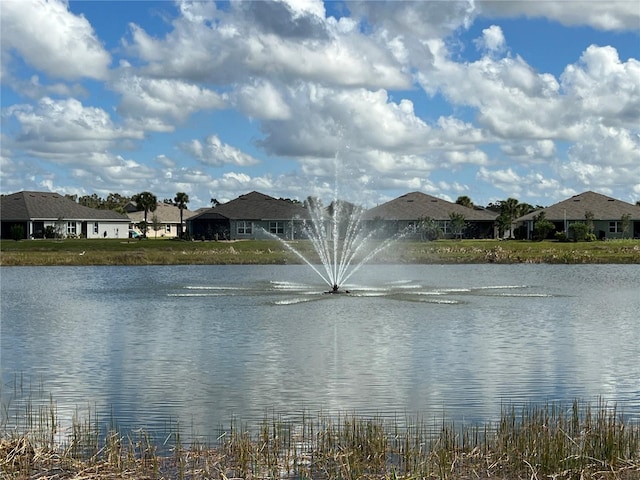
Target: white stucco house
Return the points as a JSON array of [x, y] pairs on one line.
[[36, 213]]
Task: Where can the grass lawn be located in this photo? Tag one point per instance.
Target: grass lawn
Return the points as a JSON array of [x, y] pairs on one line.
[[173, 252]]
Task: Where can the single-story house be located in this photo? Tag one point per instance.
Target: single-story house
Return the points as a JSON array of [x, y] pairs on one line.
[[34, 214], [408, 211], [607, 215], [168, 216], [248, 217]]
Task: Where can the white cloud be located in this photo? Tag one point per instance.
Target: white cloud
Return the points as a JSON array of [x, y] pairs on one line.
[[492, 39], [474, 157], [423, 20], [148, 99], [609, 15], [596, 98], [306, 7], [52, 39], [530, 152], [214, 152], [507, 178], [114, 170], [603, 88], [611, 146], [512, 99], [244, 43], [66, 128], [326, 119], [262, 100]]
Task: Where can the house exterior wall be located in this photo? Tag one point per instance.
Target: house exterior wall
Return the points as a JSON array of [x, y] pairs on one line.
[[251, 229], [388, 228], [78, 228], [107, 229], [602, 229], [166, 230]]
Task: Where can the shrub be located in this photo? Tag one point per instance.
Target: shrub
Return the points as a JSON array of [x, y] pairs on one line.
[[561, 237], [590, 237], [17, 232], [542, 228], [49, 232], [578, 232]]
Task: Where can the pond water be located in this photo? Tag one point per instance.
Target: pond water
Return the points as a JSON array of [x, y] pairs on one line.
[[203, 345]]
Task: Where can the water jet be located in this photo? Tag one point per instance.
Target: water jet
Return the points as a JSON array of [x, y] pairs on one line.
[[340, 238]]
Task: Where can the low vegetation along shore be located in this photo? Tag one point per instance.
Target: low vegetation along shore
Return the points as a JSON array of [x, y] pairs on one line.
[[173, 252], [576, 441]]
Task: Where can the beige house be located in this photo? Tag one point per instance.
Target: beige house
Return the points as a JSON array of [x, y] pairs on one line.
[[168, 220]]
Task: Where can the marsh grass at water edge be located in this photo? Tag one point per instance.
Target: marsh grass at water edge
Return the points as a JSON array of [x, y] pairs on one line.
[[263, 252], [575, 441]]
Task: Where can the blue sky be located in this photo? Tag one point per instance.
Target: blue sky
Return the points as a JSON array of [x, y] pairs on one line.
[[533, 100]]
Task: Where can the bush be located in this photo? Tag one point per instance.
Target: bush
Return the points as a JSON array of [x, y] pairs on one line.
[[49, 232], [542, 228], [590, 237], [17, 232], [578, 232], [561, 237]]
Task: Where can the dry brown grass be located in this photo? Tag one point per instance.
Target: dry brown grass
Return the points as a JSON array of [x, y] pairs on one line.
[[533, 443]]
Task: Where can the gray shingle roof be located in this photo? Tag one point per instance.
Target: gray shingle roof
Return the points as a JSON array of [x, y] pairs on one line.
[[602, 207], [24, 206], [257, 206], [417, 205]]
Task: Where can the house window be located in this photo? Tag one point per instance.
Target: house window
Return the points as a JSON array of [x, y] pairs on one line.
[[276, 228], [71, 228], [168, 228], [244, 227], [96, 227], [613, 227]]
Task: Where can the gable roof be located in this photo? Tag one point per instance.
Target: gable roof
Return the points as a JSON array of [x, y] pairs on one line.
[[417, 205], [25, 206], [256, 206], [602, 207], [165, 212]]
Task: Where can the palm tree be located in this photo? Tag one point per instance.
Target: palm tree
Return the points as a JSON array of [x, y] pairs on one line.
[[509, 209], [181, 199], [457, 224], [464, 201], [148, 202]]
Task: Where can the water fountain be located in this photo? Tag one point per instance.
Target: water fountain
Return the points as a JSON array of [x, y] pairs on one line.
[[340, 238]]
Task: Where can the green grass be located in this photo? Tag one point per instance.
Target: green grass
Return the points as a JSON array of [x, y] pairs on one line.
[[577, 441], [173, 252]]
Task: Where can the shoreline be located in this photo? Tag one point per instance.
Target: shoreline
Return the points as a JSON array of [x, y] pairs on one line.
[[577, 440], [78, 252]]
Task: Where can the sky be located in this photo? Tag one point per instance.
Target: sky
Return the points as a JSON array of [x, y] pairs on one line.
[[364, 100]]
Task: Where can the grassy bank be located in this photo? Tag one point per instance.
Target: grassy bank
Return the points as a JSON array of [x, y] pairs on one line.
[[172, 252], [573, 442]]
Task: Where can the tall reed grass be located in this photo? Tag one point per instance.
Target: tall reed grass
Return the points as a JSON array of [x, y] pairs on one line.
[[552, 441]]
